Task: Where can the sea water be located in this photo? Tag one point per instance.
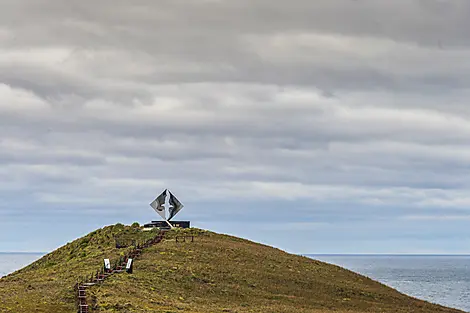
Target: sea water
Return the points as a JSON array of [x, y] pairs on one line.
[[10, 262], [441, 279]]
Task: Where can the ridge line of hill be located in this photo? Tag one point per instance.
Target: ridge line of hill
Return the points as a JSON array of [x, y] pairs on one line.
[[216, 273]]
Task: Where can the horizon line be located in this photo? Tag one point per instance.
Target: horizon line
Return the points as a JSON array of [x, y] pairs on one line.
[[386, 254], [22, 252]]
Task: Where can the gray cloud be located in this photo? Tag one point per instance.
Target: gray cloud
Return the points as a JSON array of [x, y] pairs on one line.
[[336, 110]]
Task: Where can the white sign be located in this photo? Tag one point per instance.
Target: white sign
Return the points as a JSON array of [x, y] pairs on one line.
[[107, 264], [129, 264]]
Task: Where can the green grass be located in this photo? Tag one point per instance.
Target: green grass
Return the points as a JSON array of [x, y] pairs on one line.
[[216, 273], [47, 284]]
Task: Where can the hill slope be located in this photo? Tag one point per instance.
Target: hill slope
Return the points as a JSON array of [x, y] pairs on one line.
[[215, 273]]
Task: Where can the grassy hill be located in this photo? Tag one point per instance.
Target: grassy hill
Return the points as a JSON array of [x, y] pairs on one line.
[[215, 273]]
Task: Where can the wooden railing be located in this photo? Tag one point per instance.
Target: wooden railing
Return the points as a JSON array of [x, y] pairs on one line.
[[183, 238]]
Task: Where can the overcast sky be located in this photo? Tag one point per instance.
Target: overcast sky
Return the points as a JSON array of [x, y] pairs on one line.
[[326, 126]]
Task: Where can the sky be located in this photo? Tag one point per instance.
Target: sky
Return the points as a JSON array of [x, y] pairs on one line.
[[327, 126]]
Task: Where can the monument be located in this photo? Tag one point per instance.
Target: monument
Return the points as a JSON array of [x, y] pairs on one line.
[[174, 206]]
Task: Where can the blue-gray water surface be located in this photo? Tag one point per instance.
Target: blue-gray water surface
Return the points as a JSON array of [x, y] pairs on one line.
[[439, 279], [10, 262]]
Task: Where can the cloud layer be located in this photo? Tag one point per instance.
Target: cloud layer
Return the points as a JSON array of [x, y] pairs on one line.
[[338, 119]]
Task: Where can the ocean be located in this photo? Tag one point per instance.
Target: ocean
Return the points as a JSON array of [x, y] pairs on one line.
[[10, 262], [442, 279], [439, 279]]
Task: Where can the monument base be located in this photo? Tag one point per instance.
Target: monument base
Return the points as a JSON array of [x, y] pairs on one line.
[[164, 225]]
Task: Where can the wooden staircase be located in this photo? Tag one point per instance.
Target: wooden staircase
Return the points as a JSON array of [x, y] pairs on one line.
[[82, 305], [100, 277]]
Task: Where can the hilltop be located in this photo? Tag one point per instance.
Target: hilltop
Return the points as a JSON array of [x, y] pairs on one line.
[[215, 273]]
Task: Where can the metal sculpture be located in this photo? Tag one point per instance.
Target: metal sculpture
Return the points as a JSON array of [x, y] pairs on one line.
[[159, 204], [174, 206]]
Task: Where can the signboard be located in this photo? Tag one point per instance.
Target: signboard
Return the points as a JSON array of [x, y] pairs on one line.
[[129, 266], [107, 265]]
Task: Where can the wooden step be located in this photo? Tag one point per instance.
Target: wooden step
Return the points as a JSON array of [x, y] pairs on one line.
[[83, 308]]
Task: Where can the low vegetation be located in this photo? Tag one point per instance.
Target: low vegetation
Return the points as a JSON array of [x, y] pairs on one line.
[[47, 285], [215, 273]]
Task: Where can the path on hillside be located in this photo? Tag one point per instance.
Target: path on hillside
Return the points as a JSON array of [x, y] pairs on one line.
[[101, 275]]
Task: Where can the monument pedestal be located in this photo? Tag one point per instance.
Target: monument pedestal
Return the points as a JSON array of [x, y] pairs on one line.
[[164, 225]]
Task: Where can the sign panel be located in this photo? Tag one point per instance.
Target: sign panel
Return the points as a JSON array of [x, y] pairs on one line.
[[129, 265], [107, 264]]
